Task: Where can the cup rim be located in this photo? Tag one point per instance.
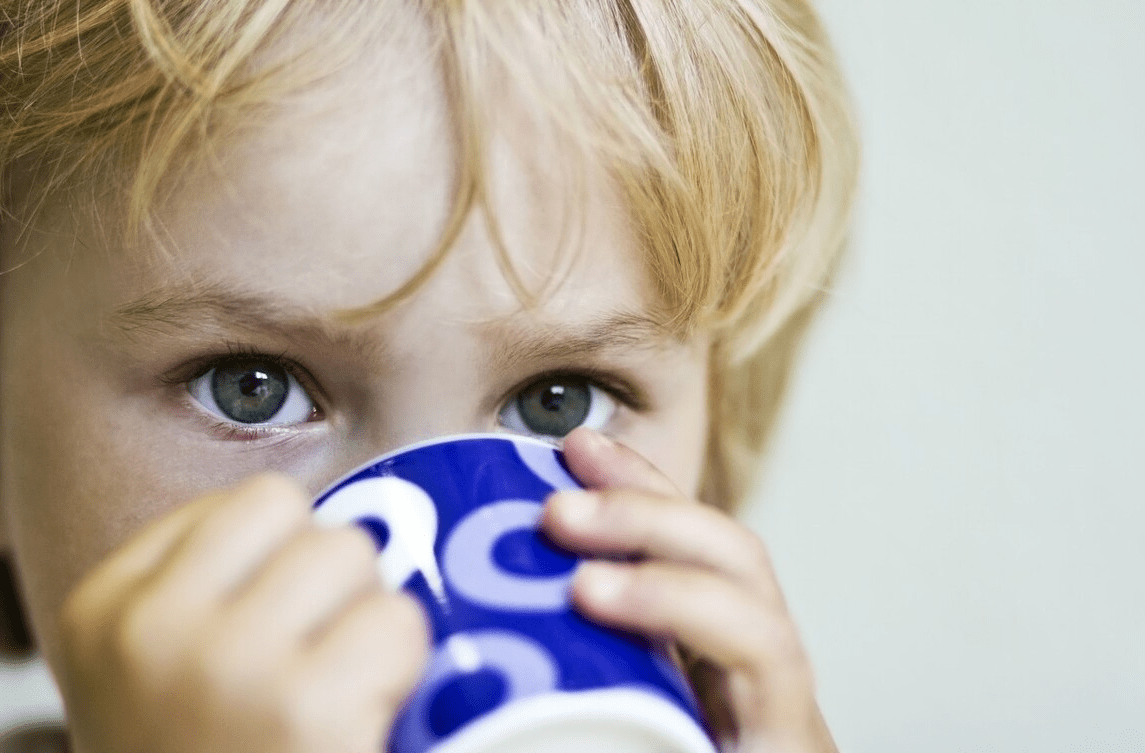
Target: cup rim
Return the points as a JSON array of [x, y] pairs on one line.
[[421, 444]]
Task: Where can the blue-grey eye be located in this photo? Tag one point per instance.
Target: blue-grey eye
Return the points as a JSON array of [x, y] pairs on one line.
[[553, 407], [252, 391]]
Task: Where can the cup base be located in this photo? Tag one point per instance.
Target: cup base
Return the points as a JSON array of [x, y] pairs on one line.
[[617, 720]]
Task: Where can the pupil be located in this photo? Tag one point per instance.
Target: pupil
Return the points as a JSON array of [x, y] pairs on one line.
[[250, 392], [554, 408], [253, 384], [553, 398]]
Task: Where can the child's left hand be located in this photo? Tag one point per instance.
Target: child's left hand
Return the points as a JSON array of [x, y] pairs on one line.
[[704, 581]]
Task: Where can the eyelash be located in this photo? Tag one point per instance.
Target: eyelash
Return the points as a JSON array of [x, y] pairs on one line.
[[617, 386], [227, 430], [197, 367], [620, 388]]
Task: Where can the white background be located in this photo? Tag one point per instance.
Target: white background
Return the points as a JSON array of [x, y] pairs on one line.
[[955, 502]]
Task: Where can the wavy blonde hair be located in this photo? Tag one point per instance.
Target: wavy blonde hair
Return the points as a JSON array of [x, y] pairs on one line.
[[725, 124]]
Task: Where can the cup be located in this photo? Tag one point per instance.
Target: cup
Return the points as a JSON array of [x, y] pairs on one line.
[[513, 668]]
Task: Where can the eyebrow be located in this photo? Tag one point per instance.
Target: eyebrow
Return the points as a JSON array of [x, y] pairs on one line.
[[177, 309], [621, 331], [166, 310]]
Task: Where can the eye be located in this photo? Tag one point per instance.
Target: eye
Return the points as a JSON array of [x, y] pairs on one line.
[[252, 391], [554, 406]]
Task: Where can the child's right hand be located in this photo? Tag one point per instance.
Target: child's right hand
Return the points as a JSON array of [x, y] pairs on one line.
[[236, 624]]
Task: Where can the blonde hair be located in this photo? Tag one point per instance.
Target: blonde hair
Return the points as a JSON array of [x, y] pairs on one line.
[[724, 123]]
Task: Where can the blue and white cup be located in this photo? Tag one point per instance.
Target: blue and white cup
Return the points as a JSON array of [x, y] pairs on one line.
[[514, 669]]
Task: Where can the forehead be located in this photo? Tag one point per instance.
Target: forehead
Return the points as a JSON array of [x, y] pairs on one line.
[[335, 199]]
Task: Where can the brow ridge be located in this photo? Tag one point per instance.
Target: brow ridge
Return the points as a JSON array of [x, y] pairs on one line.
[[165, 309]]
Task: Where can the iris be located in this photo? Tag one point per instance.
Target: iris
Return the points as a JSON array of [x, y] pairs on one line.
[[250, 392]]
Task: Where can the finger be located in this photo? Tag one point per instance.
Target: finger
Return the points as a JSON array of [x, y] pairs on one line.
[[92, 607], [622, 521], [216, 546], [111, 580], [769, 675], [373, 654], [600, 463], [304, 584], [821, 734], [238, 535], [216, 556]]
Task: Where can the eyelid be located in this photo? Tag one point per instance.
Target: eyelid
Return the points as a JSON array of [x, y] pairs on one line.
[[229, 431], [619, 386], [198, 366], [182, 375]]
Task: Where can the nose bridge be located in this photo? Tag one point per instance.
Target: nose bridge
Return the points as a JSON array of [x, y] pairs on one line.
[[430, 379], [439, 404], [433, 398]]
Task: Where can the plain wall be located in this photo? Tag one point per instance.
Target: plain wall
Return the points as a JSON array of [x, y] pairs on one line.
[[955, 501]]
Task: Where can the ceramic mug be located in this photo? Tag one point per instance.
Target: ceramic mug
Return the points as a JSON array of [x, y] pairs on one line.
[[513, 667]]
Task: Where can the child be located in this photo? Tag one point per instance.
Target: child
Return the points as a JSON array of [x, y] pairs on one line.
[[249, 244]]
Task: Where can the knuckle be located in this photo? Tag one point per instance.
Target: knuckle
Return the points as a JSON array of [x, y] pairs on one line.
[[789, 645], [141, 635], [135, 646], [755, 553]]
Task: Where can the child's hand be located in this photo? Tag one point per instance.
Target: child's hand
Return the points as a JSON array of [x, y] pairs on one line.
[[706, 583], [236, 624]]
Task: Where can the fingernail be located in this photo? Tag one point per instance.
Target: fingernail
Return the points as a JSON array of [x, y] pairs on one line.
[[577, 508], [602, 583]]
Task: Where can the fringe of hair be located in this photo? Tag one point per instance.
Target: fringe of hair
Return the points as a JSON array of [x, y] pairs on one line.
[[725, 123]]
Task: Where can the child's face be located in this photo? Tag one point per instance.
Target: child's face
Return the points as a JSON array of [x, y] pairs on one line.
[[133, 382]]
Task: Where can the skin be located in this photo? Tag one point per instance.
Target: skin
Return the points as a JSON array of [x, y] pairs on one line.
[[175, 582]]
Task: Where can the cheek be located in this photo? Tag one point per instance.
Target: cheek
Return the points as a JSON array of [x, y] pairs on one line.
[[680, 451], [80, 473], [86, 464], [74, 487], [675, 439]]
